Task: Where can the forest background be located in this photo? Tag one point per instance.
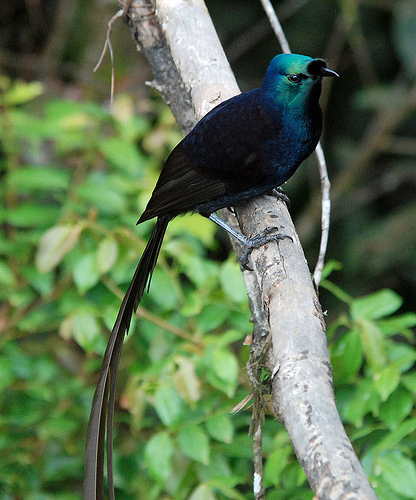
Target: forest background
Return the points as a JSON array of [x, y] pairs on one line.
[[75, 176]]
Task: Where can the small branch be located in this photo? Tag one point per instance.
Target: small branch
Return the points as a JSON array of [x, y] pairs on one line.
[[275, 24], [325, 214], [108, 45], [258, 486], [256, 366]]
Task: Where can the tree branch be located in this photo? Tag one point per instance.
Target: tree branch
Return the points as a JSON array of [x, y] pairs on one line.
[[193, 75]]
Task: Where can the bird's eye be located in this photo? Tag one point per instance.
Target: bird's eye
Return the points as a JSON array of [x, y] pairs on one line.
[[294, 78]]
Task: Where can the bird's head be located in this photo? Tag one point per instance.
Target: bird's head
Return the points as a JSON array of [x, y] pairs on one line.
[[293, 76]]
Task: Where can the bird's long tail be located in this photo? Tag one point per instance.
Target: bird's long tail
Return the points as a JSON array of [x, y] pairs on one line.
[[102, 412]]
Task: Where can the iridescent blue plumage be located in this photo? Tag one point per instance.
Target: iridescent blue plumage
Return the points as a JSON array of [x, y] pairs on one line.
[[247, 145], [243, 148]]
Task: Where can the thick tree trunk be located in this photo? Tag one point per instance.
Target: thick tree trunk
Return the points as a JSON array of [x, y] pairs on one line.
[[193, 75]]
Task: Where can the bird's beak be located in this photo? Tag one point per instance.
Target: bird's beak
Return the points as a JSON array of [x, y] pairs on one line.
[[328, 72]]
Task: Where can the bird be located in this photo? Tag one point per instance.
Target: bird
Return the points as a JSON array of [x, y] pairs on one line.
[[245, 147]]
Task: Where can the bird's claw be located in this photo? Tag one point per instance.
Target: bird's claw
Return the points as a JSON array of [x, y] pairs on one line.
[[244, 259], [281, 195], [266, 236]]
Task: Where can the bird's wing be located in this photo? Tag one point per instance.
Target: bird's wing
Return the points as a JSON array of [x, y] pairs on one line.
[[180, 188], [223, 155]]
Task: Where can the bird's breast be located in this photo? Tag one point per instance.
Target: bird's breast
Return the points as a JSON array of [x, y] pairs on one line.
[[295, 140]]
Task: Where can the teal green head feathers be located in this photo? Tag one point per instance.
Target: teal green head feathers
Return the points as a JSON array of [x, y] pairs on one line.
[[294, 76]]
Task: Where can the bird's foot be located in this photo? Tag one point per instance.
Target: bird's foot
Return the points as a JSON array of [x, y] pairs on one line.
[[281, 195], [266, 236]]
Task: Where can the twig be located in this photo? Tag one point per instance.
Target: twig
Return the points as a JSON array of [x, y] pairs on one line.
[[107, 43], [275, 23], [259, 354], [258, 485], [325, 214]]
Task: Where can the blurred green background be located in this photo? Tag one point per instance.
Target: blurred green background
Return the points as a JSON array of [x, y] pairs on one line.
[[75, 176]]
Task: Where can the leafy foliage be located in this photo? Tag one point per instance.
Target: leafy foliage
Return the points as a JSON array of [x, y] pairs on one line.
[[373, 355]]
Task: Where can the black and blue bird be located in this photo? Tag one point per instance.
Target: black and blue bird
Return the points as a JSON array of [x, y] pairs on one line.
[[245, 147]]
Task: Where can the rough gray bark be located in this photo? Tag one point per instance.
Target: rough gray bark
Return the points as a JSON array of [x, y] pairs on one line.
[[303, 396], [193, 75]]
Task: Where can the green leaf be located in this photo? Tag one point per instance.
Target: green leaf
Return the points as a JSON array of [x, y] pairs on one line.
[[227, 486], [86, 331], [41, 282], [200, 227], [46, 179], [347, 356], [373, 343], [384, 492], [220, 427], [212, 316], [232, 281], [21, 93], [130, 125], [402, 355], [54, 244], [158, 456], [168, 405], [386, 381], [355, 402], [275, 465], [97, 192], [220, 384], [203, 492], [409, 381], [225, 367], [399, 472], [329, 267], [396, 408], [397, 324], [200, 271], [107, 254], [30, 214], [86, 273], [124, 155], [186, 381], [58, 109], [194, 443], [36, 320], [226, 338], [60, 468], [394, 437], [336, 291], [217, 469], [163, 291], [375, 306]]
